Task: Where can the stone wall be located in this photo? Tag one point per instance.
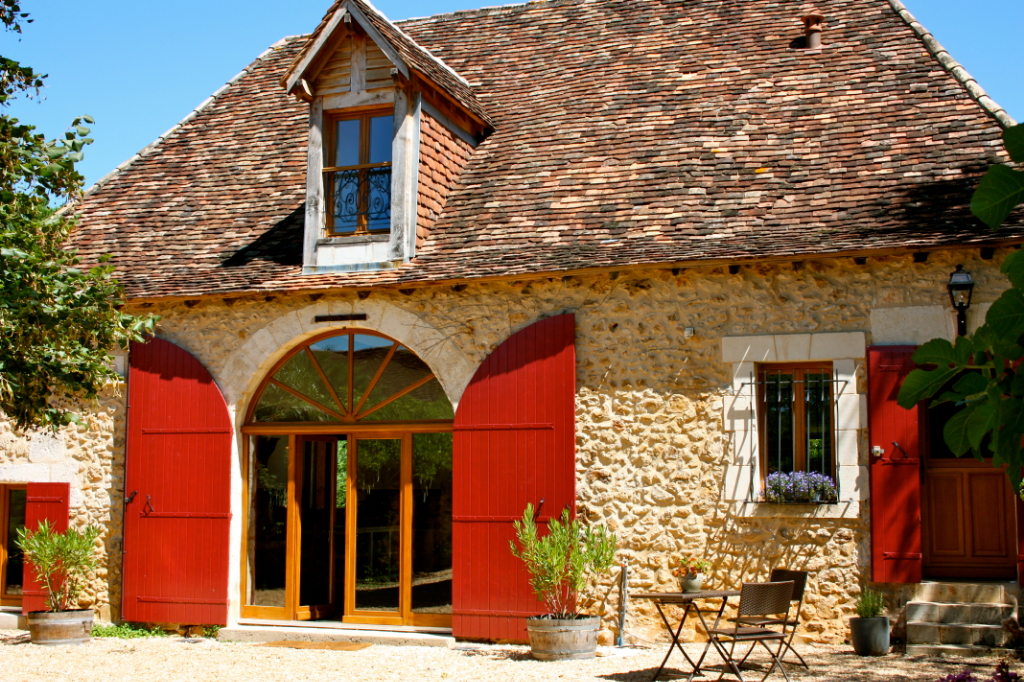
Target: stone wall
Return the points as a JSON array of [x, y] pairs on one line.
[[652, 444], [90, 457]]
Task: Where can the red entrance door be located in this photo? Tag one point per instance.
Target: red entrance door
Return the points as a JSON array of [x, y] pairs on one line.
[[177, 505], [514, 443]]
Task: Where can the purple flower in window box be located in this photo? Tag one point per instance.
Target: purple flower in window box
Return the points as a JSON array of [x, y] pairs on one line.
[[799, 486]]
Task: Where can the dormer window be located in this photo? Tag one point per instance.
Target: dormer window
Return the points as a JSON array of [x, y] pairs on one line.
[[357, 174]]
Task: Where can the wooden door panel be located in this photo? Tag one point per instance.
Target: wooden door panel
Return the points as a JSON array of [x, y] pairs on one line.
[[987, 507], [514, 444], [946, 537], [43, 502], [178, 467]]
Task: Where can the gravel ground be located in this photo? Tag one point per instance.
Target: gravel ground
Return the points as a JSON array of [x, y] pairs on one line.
[[172, 659]]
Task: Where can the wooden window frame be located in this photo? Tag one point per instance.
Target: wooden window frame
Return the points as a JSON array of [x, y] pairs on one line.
[[331, 120], [5, 511], [799, 422]]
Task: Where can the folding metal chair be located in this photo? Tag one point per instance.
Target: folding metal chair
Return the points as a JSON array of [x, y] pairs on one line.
[[757, 600], [799, 579]]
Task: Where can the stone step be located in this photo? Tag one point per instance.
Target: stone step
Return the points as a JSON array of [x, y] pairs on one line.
[[961, 634], [961, 593], [936, 612], [263, 633], [953, 650], [11, 619]]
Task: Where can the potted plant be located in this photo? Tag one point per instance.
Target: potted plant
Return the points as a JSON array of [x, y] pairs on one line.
[[559, 564], [869, 631], [61, 562], [800, 487], [692, 573]]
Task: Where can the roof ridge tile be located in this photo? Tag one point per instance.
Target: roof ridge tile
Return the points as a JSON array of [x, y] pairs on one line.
[[954, 67], [188, 117]]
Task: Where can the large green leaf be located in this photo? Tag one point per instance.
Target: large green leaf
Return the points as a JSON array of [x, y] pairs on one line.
[[921, 384], [1006, 316], [1013, 268], [942, 353], [956, 432], [1013, 138], [998, 193], [982, 421]]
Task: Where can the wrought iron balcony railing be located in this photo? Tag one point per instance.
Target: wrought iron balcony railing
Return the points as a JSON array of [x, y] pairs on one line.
[[358, 199]]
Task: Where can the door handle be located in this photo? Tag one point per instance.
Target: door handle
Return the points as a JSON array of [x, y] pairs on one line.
[[148, 507]]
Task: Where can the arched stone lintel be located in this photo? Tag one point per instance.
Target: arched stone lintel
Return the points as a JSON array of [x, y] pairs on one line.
[[241, 375]]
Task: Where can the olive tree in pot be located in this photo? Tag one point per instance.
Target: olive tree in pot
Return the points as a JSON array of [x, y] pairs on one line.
[[61, 562], [559, 564], [869, 632]]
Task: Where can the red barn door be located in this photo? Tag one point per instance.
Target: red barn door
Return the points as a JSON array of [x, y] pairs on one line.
[[514, 443], [43, 502], [896, 555], [177, 510]]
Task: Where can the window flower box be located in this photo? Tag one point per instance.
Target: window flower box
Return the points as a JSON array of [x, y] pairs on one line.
[[799, 487]]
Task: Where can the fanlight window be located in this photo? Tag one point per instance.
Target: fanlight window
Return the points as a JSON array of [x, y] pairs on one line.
[[351, 377]]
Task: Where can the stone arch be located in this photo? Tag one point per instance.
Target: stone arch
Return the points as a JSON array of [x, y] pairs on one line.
[[241, 375]]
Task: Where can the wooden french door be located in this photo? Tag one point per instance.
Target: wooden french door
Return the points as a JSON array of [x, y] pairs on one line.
[[355, 527], [968, 513]]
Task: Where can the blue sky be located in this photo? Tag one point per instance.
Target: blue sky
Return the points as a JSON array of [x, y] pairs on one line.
[[138, 66]]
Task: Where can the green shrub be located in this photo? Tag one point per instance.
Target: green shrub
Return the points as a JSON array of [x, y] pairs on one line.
[[126, 631], [560, 561], [60, 561], [870, 604]]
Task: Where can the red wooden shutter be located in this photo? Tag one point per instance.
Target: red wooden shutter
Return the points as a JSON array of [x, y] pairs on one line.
[[515, 443], [896, 475], [178, 468], [43, 502]]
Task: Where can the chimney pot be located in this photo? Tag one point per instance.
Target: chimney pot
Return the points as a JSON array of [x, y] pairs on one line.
[[813, 21]]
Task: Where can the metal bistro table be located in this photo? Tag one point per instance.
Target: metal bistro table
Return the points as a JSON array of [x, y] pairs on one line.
[[686, 600]]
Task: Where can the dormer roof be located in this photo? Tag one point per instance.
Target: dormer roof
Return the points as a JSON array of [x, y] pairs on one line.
[[409, 58]]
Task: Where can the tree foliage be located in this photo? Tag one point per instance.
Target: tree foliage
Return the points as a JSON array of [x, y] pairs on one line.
[[982, 372], [58, 321]]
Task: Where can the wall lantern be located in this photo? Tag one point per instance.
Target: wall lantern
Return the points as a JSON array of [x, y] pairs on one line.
[[960, 287]]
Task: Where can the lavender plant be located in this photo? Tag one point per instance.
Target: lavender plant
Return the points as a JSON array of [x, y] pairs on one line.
[[1002, 674], [799, 486]]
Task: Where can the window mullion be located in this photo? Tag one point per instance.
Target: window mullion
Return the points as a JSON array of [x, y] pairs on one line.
[[800, 426]]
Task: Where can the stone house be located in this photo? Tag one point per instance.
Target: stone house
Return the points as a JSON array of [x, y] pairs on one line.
[[621, 257]]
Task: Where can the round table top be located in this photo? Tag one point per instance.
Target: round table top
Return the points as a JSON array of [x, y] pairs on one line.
[[682, 597]]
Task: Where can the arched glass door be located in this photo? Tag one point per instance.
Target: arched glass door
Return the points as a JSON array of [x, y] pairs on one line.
[[349, 487]]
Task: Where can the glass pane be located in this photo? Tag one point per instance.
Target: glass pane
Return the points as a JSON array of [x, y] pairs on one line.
[[378, 513], [268, 520], [778, 393], [332, 356], [429, 401], [369, 352], [432, 523], [316, 511], [404, 370], [346, 143], [278, 405], [299, 373], [378, 198], [818, 416], [15, 565], [382, 129]]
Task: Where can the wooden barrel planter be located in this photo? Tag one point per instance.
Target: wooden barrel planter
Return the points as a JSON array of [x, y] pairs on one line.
[[558, 639], [60, 627]]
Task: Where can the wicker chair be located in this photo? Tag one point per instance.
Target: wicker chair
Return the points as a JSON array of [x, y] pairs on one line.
[[757, 600], [799, 579]]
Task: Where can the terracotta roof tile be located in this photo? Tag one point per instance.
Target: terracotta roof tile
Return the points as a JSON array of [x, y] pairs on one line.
[[629, 132]]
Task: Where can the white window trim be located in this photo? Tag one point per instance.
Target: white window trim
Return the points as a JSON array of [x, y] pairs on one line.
[[846, 351]]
